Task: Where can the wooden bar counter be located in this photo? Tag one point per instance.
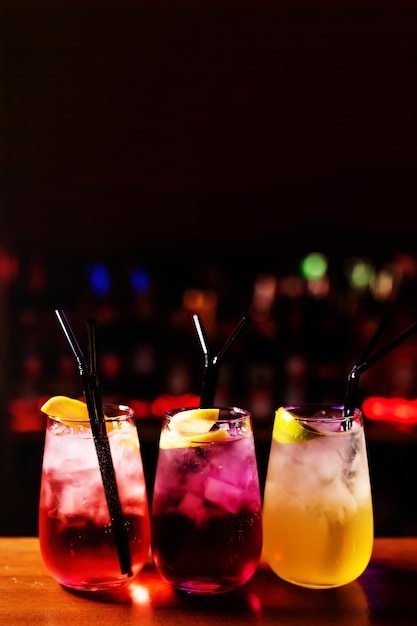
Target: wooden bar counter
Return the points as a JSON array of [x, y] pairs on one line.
[[386, 593]]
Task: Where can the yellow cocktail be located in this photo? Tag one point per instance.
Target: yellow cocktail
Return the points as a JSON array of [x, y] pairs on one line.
[[317, 512]]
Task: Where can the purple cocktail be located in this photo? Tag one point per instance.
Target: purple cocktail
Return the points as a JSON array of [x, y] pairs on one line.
[[206, 510]]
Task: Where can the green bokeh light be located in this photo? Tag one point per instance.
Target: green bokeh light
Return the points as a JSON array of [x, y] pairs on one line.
[[362, 274], [314, 266], [359, 272]]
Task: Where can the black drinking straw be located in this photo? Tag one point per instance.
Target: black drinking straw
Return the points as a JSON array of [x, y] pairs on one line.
[[353, 378], [365, 363], [211, 365], [98, 428]]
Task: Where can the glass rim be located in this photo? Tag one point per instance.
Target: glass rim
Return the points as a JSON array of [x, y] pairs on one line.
[[112, 412], [310, 412], [230, 413]]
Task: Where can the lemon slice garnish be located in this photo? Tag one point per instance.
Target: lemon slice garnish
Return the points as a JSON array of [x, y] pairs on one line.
[[289, 430], [216, 435], [68, 410], [193, 427], [194, 421]]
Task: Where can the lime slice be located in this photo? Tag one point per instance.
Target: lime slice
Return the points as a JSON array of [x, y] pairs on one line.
[[191, 428], [289, 430]]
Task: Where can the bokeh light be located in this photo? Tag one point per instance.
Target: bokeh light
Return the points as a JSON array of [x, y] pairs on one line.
[[314, 266], [359, 272], [99, 278], [139, 280]]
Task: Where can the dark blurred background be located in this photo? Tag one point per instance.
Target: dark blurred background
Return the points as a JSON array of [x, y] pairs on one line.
[[164, 158]]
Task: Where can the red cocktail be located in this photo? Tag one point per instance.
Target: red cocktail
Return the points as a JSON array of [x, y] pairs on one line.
[[76, 533]]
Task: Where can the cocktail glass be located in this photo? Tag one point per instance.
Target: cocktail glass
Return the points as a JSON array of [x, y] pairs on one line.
[[76, 534], [206, 509], [317, 505]]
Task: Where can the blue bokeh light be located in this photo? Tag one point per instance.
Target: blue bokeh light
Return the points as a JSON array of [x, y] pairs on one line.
[[99, 278], [139, 279]]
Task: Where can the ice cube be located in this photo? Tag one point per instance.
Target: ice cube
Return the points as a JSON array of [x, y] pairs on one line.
[[82, 495], [224, 495], [195, 481], [72, 501], [337, 503], [192, 506], [132, 495]]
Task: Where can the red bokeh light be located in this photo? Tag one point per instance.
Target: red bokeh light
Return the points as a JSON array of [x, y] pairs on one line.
[[397, 410]]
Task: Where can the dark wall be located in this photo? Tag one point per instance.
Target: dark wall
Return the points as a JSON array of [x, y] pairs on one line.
[[201, 128], [154, 122]]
